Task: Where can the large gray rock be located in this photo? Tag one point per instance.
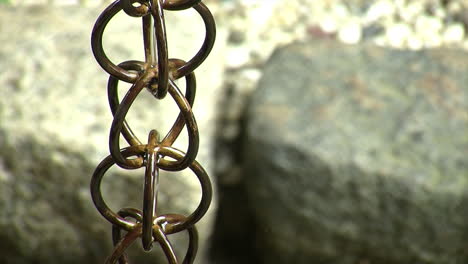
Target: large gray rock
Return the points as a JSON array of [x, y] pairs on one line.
[[54, 131], [358, 154]]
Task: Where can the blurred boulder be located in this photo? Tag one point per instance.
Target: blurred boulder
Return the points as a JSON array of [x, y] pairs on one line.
[[358, 154], [54, 131]]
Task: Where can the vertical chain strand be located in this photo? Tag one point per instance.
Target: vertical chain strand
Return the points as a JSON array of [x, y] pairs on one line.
[[157, 74]]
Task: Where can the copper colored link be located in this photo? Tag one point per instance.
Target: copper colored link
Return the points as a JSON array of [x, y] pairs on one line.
[[122, 74], [161, 42], [179, 4], [157, 73], [187, 118], [176, 129], [165, 244], [115, 219], [96, 194], [98, 49], [130, 237], [114, 102], [135, 11], [166, 222], [122, 245], [113, 97], [150, 190], [159, 232], [206, 189], [119, 117], [186, 112], [116, 234]]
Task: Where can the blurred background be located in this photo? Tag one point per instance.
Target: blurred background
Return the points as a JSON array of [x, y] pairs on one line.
[[334, 131]]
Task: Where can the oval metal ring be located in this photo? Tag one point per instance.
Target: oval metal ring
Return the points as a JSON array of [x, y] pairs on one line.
[[127, 225], [169, 220], [121, 244], [98, 50], [206, 47], [126, 76], [96, 194], [113, 98], [207, 191], [185, 117], [161, 43], [135, 11], [150, 190], [119, 118], [118, 254], [116, 234], [179, 4]]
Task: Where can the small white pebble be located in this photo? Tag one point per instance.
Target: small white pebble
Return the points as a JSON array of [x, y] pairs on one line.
[[410, 12], [440, 13], [380, 41], [397, 34], [453, 33], [414, 43], [432, 41], [426, 24], [428, 29], [328, 24], [340, 10], [252, 74], [237, 57], [350, 33], [380, 9]]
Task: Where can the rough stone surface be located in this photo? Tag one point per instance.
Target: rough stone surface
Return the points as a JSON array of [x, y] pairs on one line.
[[357, 154], [54, 131]]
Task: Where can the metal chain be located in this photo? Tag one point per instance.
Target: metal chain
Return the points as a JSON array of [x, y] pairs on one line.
[[157, 73]]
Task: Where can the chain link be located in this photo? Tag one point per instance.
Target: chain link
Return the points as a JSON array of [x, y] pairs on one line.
[[157, 73]]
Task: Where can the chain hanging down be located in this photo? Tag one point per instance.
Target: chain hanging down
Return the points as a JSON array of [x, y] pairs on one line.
[[157, 73]]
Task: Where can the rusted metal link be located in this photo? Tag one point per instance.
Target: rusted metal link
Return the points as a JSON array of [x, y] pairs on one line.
[[162, 79], [106, 212], [114, 102], [150, 193], [179, 4], [131, 77], [158, 231], [185, 112], [135, 11], [157, 74]]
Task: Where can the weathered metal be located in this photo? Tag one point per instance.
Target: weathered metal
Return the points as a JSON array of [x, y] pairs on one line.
[[157, 73]]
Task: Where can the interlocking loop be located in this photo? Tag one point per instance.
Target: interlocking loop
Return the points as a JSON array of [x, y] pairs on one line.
[[131, 77], [135, 11], [161, 42], [122, 223], [187, 117], [150, 193], [160, 234], [114, 102], [157, 74], [179, 4]]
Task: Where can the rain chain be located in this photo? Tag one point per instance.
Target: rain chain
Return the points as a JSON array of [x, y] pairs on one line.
[[157, 74]]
